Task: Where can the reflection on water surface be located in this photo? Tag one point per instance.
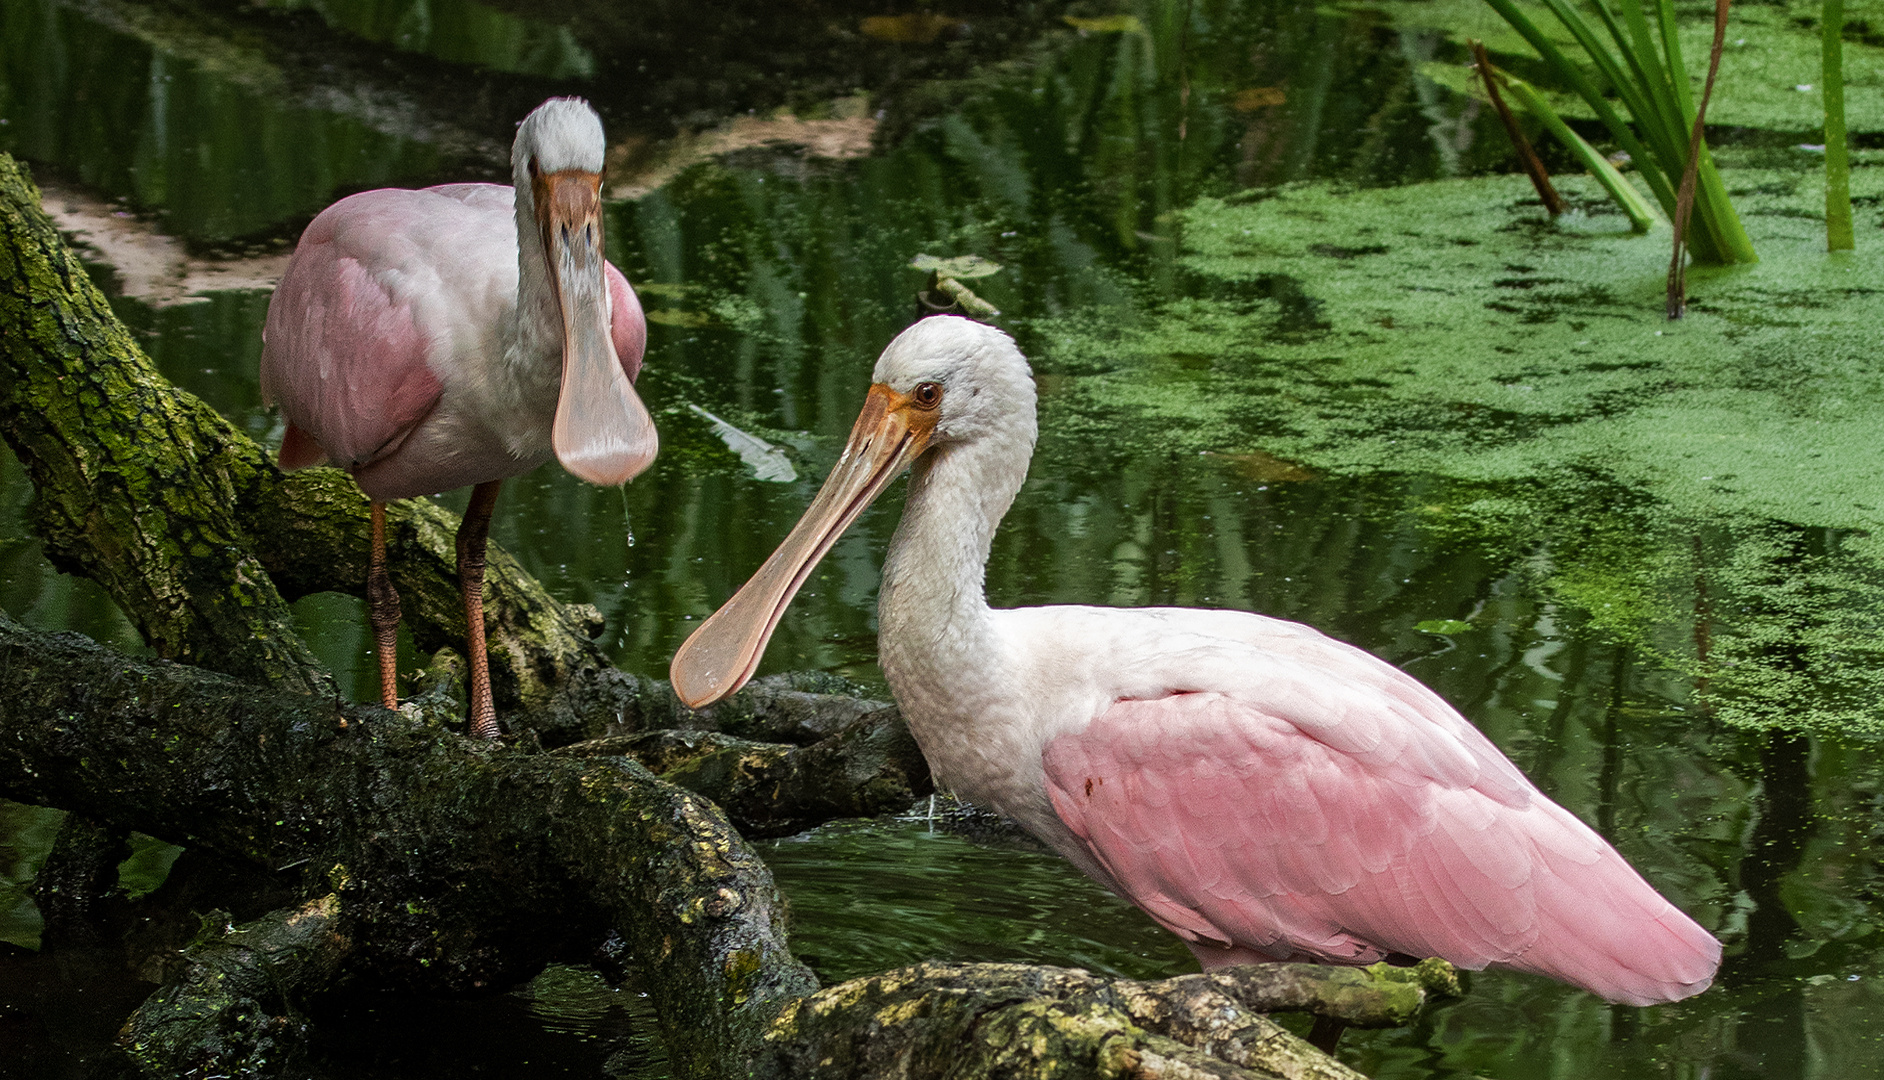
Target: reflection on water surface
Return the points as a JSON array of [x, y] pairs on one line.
[[1070, 155]]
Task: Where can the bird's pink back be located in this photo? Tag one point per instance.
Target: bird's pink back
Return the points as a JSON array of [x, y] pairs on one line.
[[386, 292], [344, 348], [1233, 823], [628, 327]]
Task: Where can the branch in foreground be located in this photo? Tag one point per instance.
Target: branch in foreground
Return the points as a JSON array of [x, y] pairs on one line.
[[953, 1020], [871, 766], [457, 868], [439, 865]]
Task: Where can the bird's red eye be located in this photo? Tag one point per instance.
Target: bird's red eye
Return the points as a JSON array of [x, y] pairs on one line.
[[927, 395]]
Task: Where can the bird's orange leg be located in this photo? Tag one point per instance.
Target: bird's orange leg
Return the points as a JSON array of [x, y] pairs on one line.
[[382, 605], [471, 538]]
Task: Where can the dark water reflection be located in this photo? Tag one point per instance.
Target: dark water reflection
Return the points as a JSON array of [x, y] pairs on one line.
[[772, 281]]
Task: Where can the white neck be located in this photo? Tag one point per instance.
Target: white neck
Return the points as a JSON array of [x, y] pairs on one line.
[[537, 331], [934, 631]]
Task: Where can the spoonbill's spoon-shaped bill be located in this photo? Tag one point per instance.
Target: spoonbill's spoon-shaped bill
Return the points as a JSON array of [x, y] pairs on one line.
[[602, 432], [720, 655]]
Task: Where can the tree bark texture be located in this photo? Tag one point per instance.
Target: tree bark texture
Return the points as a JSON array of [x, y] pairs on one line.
[[871, 766], [454, 867], [942, 1021], [136, 484]]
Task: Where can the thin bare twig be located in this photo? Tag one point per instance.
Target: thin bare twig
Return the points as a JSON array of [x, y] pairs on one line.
[[1533, 166]]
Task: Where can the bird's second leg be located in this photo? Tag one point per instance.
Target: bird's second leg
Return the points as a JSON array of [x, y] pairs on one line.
[[471, 543], [382, 607]]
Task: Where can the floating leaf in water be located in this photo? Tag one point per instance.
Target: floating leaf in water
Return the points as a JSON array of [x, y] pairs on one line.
[[964, 267], [945, 276], [1106, 24], [673, 317], [1258, 97], [1442, 626], [1267, 468], [916, 28], [767, 462]]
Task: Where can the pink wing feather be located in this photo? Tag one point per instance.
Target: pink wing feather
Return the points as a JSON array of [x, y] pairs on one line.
[[628, 327], [342, 351], [1252, 839], [378, 282]]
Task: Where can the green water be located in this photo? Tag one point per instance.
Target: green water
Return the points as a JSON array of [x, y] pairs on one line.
[[1304, 348]]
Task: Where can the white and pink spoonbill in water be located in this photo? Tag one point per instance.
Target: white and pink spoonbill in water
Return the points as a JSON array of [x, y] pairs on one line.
[[426, 340], [1262, 791]]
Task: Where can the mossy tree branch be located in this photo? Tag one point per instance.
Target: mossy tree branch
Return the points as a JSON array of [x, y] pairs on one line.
[[934, 1021], [310, 532], [135, 482], [455, 867]]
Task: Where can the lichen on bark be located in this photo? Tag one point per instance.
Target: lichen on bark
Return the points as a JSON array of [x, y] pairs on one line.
[[937, 1020]]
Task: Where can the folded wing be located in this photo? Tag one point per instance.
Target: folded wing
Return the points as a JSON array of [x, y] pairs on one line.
[[1233, 824]]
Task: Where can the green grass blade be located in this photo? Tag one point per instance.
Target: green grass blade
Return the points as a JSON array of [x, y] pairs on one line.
[[1726, 239], [1599, 54], [1713, 206], [1668, 122], [1838, 227], [1642, 213], [1638, 49], [1653, 87], [1581, 84], [1677, 71]]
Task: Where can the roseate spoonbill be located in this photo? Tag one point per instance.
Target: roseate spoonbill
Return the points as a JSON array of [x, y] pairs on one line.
[[1262, 791], [426, 340]]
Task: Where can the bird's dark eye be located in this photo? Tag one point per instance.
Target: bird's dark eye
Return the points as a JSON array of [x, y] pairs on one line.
[[926, 395]]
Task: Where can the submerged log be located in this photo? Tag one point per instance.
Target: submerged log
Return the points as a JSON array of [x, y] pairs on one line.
[[396, 855]]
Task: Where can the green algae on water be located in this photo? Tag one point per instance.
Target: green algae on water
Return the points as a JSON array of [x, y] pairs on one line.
[[1708, 489]]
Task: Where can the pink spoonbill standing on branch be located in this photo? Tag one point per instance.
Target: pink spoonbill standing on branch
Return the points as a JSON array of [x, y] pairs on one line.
[[426, 340], [1262, 791]]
